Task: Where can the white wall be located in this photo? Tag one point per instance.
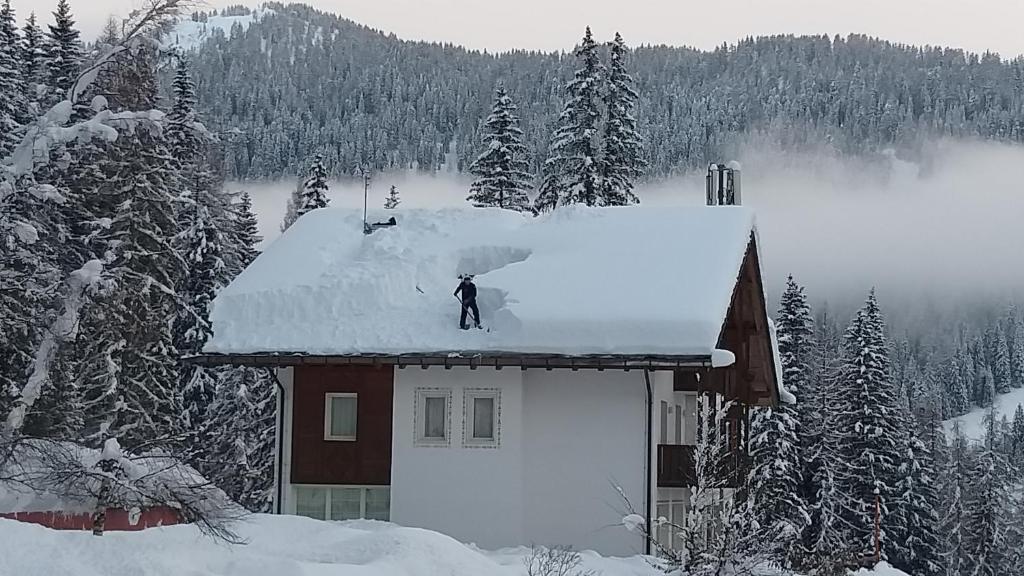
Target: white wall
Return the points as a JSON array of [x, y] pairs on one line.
[[473, 494], [567, 439]]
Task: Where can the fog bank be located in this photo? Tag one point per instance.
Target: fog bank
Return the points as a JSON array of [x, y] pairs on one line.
[[948, 226]]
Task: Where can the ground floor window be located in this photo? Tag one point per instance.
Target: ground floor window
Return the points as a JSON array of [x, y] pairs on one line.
[[343, 502], [670, 511]]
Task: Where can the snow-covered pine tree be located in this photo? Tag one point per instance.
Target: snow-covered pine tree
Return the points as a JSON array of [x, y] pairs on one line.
[[244, 237], [241, 425], [1017, 439], [984, 385], [870, 439], [1015, 347], [63, 53], [502, 178], [622, 160], [958, 392], [33, 56], [825, 549], [572, 172], [13, 107], [314, 189], [775, 478], [291, 212], [986, 506], [956, 478], [132, 386], [917, 548], [392, 201], [1000, 358]]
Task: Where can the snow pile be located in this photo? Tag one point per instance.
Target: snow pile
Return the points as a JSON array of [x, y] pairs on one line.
[[277, 546], [973, 423], [51, 476], [188, 34], [578, 281], [880, 569]]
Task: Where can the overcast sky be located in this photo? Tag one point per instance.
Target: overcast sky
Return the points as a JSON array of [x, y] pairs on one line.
[[976, 25]]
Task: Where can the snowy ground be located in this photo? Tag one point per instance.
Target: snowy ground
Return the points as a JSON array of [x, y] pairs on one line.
[[282, 546], [277, 546], [973, 423]]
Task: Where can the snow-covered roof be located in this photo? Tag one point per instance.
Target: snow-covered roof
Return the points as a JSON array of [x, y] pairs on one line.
[[579, 281]]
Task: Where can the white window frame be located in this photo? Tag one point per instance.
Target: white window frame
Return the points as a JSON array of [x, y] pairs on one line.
[[328, 401], [419, 439], [468, 420], [327, 488]]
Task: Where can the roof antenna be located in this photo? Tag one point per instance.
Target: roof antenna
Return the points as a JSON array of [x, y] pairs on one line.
[[364, 173]]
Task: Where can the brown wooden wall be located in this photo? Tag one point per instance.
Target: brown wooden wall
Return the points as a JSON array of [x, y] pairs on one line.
[[367, 460], [751, 380]]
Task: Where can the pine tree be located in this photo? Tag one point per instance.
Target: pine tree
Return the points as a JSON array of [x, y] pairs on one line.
[[622, 159], [1017, 439], [392, 201], [501, 173], [916, 549], [63, 52], [1000, 358], [1015, 348], [870, 440], [958, 394], [241, 431], [984, 385], [314, 189], [13, 106], [985, 519], [572, 173], [33, 56], [956, 554], [775, 480], [245, 236]]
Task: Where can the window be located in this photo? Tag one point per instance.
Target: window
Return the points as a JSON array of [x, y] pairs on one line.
[[673, 505], [340, 416], [679, 424], [482, 422], [433, 416], [690, 419], [343, 502], [664, 422]]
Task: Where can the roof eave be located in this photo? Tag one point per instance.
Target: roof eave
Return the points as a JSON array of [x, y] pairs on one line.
[[450, 359]]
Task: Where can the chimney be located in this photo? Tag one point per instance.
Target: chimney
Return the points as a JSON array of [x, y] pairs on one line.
[[723, 184]]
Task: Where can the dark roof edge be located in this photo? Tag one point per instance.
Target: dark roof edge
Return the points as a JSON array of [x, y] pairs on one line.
[[471, 359]]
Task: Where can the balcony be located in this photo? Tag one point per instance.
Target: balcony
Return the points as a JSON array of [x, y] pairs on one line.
[[677, 467]]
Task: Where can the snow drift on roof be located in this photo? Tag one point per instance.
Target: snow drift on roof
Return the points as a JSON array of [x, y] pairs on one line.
[[578, 281]]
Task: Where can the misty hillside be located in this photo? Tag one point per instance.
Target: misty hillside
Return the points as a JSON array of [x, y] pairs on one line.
[[298, 80]]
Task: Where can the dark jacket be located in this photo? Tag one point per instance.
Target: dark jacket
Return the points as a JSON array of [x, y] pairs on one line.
[[468, 290]]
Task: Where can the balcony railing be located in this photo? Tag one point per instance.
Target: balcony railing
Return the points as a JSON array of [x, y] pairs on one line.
[[677, 467]]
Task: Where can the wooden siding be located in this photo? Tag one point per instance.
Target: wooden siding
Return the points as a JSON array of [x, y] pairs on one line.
[[366, 460], [751, 380]]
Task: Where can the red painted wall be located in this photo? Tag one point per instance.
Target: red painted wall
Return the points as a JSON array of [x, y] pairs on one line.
[[117, 520], [364, 461]]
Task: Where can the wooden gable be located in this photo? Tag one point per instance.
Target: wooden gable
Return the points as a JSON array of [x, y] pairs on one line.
[[752, 379]]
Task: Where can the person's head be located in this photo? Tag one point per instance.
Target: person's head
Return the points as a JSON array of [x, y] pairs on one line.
[[466, 279]]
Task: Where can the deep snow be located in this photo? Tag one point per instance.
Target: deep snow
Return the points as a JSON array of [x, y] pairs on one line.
[[277, 546], [973, 423], [283, 546], [578, 281]]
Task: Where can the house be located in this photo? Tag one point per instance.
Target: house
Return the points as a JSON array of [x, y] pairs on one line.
[[602, 326]]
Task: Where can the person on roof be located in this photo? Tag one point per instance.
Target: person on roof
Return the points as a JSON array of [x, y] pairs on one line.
[[466, 293]]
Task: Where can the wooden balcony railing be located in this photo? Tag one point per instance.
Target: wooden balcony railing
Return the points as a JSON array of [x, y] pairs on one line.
[[677, 467]]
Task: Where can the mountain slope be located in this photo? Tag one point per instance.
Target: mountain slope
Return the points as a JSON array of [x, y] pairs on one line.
[[298, 81]]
